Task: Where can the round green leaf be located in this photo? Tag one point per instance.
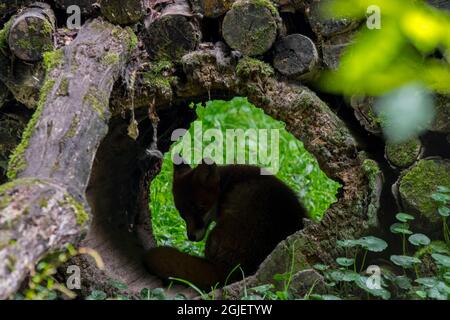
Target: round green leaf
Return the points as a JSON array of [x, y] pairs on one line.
[[320, 267], [443, 189], [401, 228], [97, 295], [350, 276], [347, 243], [441, 259], [345, 262], [405, 261], [427, 282], [373, 244], [444, 211], [403, 282], [422, 294], [404, 217], [419, 239]]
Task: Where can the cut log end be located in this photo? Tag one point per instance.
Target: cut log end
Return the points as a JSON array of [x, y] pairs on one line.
[[31, 33], [172, 34], [296, 56], [251, 27]]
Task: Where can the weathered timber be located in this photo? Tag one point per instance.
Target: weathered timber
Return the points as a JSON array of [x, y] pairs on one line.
[[296, 57], [31, 32], [172, 31], [44, 206], [403, 155], [251, 26], [211, 8], [123, 12], [87, 7]]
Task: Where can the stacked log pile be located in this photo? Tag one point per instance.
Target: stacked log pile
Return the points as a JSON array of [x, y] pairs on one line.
[[89, 87]]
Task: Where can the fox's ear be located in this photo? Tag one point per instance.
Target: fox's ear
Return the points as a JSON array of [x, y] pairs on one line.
[[207, 174], [179, 166]]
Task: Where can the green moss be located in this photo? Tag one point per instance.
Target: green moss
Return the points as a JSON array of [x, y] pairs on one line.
[[111, 58], [263, 3], [52, 59], [73, 128], [81, 215], [17, 161], [404, 154], [133, 38], [5, 200], [157, 77], [433, 247], [43, 202], [63, 89], [4, 33], [249, 67], [98, 105], [420, 182]]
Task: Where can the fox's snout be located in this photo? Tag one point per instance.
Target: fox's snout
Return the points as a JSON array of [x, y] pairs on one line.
[[197, 235]]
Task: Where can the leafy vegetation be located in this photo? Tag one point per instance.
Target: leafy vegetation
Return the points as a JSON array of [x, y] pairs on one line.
[[298, 169]]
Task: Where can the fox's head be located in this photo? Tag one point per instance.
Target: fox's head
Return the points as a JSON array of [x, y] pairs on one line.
[[195, 193]]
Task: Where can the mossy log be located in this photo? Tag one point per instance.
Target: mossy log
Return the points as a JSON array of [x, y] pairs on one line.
[[11, 128], [211, 8], [23, 79], [403, 155], [415, 187], [44, 207], [365, 113], [123, 12], [251, 26], [172, 31], [296, 57], [325, 27], [88, 7], [31, 32]]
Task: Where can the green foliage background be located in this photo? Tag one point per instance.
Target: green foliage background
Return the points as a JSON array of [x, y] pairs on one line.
[[298, 168]]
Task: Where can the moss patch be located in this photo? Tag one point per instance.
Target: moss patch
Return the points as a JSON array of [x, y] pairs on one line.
[[81, 215], [4, 35], [158, 76], [98, 105], [111, 59], [17, 161], [250, 67], [404, 154], [52, 59], [420, 182]]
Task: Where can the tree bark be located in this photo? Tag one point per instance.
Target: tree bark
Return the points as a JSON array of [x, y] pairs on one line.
[[44, 206]]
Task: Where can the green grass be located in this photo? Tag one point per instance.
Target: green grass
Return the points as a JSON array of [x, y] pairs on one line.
[[298, 169]]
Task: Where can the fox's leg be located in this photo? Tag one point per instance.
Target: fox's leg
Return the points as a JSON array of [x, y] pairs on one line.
[[166, 262]]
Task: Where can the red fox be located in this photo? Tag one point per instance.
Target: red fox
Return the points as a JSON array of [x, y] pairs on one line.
[[253, 213]]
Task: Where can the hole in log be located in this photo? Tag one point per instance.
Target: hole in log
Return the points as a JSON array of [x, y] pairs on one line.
[[118, 194]]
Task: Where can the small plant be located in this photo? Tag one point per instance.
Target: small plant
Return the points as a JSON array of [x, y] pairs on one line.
[[442, 198]]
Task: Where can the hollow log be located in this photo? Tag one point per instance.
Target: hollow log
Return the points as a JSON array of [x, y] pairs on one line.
[[44, 206], [251, 26], [31, 32], [172, 31], [123, 12], [296, 57], [323, 134]]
